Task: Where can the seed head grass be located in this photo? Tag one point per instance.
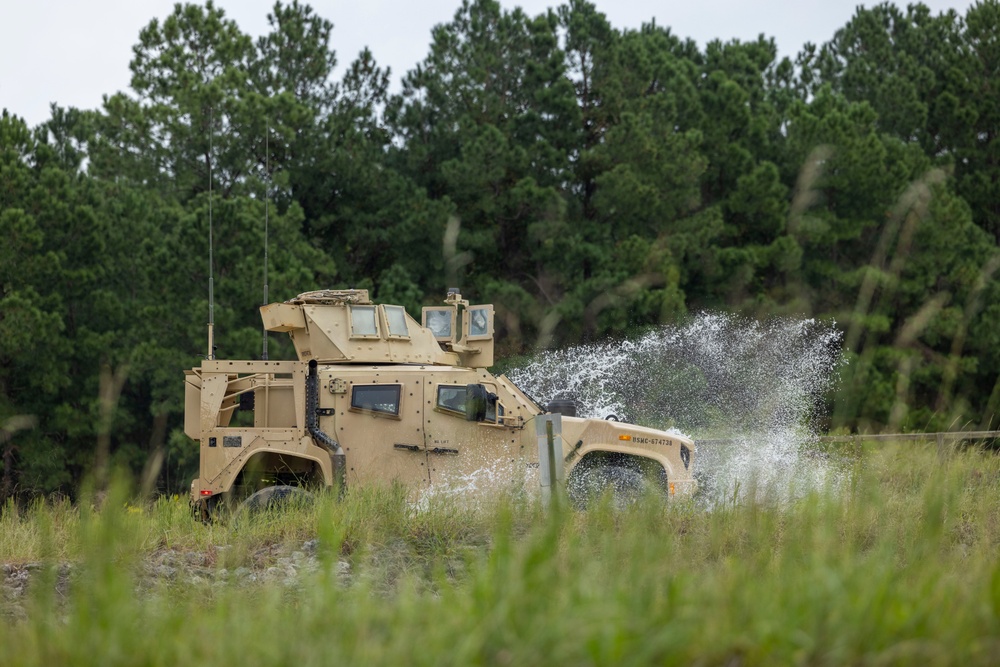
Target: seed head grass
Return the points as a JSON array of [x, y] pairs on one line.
[[894, 562]]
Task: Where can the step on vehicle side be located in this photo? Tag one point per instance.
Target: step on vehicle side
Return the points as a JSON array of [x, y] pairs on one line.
[[375, 398]]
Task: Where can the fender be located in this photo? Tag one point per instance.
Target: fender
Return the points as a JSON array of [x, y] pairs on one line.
[[305, 450], [575, 456]]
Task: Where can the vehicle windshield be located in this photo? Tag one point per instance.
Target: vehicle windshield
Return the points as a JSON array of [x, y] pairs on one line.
[[527, 398]]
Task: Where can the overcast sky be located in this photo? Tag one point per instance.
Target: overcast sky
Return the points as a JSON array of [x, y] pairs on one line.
[[74, 51]]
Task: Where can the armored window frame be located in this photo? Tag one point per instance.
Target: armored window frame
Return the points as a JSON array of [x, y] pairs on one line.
[[449, 407], [450, 313], [495, 411], [472, 331], [360, 327], [387, 395], [395, 315]]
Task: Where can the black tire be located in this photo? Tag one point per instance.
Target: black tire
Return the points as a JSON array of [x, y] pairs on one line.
[[563, 406], [272, 498], [624, 485], [207, 509]]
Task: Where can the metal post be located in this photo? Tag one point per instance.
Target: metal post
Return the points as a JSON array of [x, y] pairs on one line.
[[548, 428]]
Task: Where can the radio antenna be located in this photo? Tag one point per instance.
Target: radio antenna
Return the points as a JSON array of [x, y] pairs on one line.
[[211, 270], [267, 196]]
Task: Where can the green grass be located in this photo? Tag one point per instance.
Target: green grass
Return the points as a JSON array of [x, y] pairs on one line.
[[896, 566]]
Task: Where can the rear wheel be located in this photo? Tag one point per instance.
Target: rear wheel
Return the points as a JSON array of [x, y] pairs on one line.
[[273, 498], [206, 510]]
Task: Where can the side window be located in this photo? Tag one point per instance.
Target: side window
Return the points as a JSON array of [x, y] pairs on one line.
[[395, 317], [441, 322], [363, 322], [480, 322], [380, 398], [451, 398]]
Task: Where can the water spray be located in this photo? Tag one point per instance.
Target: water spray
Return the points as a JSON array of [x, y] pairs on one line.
[[758, 389]]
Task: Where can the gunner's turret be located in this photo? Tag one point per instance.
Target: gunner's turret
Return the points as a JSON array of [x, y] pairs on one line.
[[344, 326]]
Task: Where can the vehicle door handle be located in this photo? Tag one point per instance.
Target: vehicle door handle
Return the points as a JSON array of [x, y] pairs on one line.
[[409, 448], [443, 450]]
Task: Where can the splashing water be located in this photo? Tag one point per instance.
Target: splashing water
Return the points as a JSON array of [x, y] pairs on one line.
[[482, 487], [758, 387]]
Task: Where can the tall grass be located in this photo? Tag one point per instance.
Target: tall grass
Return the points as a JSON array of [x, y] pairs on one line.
[[896, 565]]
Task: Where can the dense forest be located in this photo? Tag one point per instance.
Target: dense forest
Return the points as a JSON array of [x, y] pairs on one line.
[[587, 180]]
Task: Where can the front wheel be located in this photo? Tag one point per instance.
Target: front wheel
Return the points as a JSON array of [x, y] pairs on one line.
[[624, 485]]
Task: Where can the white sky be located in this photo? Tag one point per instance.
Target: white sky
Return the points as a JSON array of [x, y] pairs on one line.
[[74, 51]]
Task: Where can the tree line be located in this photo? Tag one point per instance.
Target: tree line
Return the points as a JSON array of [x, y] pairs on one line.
[[588, 180]]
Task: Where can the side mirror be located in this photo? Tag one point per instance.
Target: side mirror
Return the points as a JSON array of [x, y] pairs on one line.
[[477, 401]]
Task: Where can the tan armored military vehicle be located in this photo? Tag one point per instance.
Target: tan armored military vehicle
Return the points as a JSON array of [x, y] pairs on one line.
[[376, 397]]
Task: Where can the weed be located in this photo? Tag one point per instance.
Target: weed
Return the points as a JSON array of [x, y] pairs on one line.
[[894, 565]]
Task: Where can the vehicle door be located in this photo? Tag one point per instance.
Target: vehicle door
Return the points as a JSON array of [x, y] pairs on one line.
[[379, 424], [463, 453]]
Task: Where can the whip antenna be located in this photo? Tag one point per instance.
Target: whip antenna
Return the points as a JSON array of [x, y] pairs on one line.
[[267, 196], [211, 270]]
